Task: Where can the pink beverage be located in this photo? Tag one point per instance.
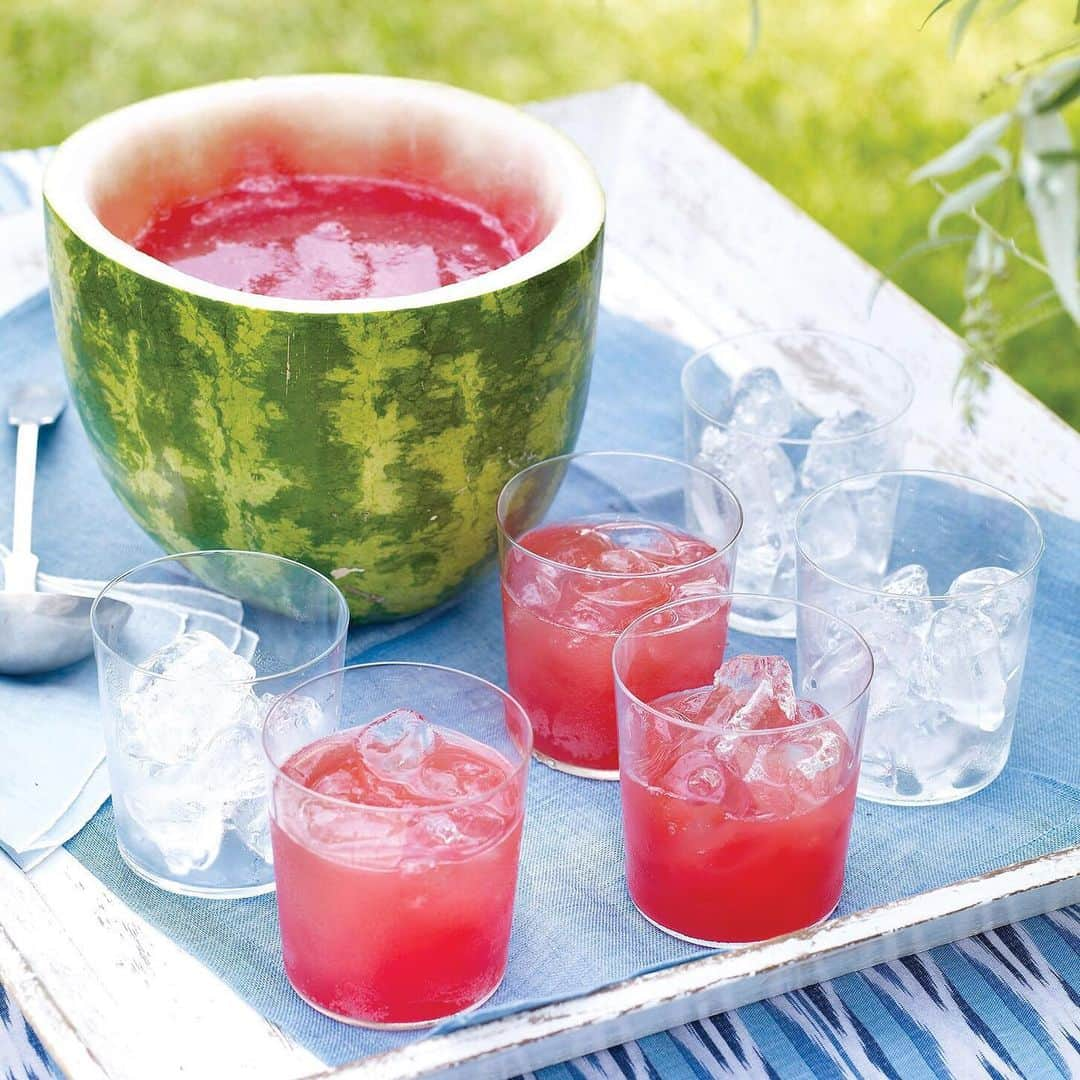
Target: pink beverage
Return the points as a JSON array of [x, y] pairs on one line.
[[396, 855], [568, 590], [329, 237], [737, 815]]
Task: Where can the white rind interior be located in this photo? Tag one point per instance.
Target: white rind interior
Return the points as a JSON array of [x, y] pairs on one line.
[[127, 164]]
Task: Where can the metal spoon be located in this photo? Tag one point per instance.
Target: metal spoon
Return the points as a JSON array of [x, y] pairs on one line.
[[38, 631]]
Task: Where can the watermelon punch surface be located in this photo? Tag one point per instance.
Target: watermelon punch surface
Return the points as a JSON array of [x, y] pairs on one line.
[[327, 317]]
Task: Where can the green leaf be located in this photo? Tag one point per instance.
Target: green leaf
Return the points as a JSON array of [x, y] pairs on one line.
[[1059, 157], [924, 247], [960, 24], [1045, 92], [980, 140], [1076, 17], [964, 198], [1052, 194], [937, 7], [1070, 91]]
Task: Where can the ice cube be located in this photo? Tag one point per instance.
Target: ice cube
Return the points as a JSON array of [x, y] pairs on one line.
[[910, 580], [737, 460], [360, 835], [912, 742], [640, 536], [606, 604], [839, 673], [963, 667], [759, 693], [783, 583], [183, 820], [1005, 599], [829, 531], [896, 639], [769, 794], [753, 469], [397, 742], [196, 691], [457, 773], [295, 712], [624, 561], [439, 829], [232, 765], [251, 821], [761, 550], [836, 451], [906, 588], [579, 547], [542, 587], [807, 712], [480, 824], [781, 472], [759, 403], [895, 629], [198, 655], [699, 776]]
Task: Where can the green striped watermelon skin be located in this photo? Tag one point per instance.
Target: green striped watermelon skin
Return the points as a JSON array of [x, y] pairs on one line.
[[371, 446]]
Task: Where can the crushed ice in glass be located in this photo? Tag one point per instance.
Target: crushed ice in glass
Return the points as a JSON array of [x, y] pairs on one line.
[[771, 488], [755, 756], [759, 403], [189, 732], [946, 677]]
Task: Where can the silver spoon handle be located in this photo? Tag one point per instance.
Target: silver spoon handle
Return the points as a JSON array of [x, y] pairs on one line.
[[20, 568]]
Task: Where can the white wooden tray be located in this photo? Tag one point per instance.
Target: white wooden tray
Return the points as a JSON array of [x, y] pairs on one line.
[[698, 247]]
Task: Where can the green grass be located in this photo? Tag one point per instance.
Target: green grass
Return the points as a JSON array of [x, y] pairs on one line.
[[840, 101]]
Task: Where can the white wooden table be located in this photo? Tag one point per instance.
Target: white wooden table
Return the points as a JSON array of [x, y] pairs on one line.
[[698, 247]]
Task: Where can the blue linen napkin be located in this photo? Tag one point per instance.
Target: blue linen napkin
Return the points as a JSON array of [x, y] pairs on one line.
[[52, 772]]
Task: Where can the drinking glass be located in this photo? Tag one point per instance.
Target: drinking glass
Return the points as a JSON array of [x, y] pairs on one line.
[[397, 804], [738, 785], [587, 543], [191, 651], [778, 415], [938, 572]]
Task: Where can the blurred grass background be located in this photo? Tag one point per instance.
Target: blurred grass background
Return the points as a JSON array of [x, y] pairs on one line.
[[838, 103]]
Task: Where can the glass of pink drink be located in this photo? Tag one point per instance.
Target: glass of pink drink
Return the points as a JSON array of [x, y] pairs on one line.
[[738, 789], [589, 542], [397, 802]]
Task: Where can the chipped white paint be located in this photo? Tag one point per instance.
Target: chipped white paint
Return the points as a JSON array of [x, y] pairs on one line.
[[698, 247]]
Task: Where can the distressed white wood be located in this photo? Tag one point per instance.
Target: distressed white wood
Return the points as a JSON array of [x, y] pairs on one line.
[[701, 988], [91, 964], [698, 247]]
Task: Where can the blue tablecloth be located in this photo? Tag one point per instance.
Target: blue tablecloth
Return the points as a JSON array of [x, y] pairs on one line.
[[1003, 1004]]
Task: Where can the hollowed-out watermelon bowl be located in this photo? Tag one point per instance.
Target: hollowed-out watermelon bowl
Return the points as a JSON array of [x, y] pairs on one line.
[[368, 437]]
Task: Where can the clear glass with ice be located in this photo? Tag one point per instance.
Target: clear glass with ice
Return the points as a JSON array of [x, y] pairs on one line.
[[777, 416], [938, 572], [190, 656]]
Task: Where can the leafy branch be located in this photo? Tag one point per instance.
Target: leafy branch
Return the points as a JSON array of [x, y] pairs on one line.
[[1023, 155]]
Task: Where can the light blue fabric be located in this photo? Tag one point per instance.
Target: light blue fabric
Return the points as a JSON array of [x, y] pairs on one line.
[[575, 929], [55, 719]]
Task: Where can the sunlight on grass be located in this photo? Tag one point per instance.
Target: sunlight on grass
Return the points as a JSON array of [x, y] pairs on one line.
[[836, 106]]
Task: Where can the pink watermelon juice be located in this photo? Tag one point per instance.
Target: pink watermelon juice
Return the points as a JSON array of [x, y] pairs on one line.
[[396, 854], [737, 815], [329, 237], [568, 590]]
